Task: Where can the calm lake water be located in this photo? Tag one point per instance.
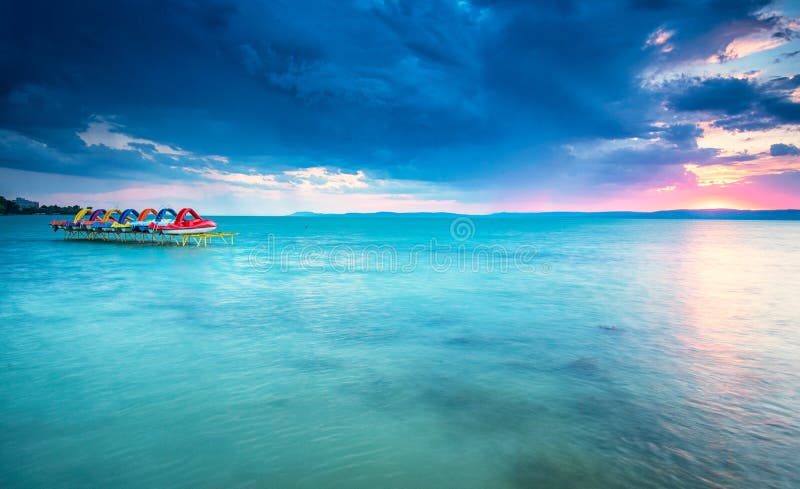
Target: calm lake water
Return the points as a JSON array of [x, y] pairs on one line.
[[353, 352]]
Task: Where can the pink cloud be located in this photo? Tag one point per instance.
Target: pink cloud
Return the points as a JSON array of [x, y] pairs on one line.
[[742, 172]]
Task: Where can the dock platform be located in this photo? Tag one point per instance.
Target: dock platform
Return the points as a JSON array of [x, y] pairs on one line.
[[134, 237]]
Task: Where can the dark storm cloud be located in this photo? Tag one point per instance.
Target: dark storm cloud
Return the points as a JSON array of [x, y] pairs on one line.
[[684, 136], [740, 103], [726, 95], [434, 90], [781, 149], [703, 29]]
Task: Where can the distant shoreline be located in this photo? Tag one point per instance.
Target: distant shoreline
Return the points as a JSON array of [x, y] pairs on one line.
[[40, 212], [10, 207]]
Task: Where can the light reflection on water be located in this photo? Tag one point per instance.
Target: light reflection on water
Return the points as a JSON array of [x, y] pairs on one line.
[[653, 354]]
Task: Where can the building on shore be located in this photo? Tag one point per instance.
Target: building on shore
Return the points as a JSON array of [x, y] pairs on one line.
[[25, 203]]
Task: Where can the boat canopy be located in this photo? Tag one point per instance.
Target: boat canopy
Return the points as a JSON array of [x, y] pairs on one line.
[[96, 214], [147, 212], [128, 215], [163, 212], [183, 212], [81, 213], [109, 214]]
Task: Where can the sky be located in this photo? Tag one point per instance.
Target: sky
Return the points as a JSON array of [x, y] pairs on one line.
[[469, 106]]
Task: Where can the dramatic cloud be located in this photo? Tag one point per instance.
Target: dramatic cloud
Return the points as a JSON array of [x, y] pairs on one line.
[[740, 103], [772, 32], [784, 149], [477, 104]]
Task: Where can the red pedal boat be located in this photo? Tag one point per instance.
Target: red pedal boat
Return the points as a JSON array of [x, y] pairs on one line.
[[182, 225]]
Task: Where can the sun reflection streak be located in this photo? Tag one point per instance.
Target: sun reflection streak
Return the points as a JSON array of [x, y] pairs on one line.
[[723, 273]]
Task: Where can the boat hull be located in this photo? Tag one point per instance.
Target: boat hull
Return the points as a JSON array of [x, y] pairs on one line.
[[199, 230]]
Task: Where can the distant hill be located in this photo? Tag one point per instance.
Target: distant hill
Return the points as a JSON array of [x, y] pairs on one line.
[[730, 214]]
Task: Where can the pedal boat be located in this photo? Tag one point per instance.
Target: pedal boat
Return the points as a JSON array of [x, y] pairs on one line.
[[107, 221], [74, 223], [142, 223], [182, 225], [164, 218], [95, 217], [123, 224]]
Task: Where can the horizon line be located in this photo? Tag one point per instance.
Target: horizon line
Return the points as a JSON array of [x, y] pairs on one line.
[[489, 214]]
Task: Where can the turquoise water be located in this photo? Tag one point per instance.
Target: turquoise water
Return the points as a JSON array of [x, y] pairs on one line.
[[334, 352]]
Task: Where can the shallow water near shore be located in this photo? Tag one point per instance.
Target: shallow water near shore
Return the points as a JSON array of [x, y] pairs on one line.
[[404, 352]]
